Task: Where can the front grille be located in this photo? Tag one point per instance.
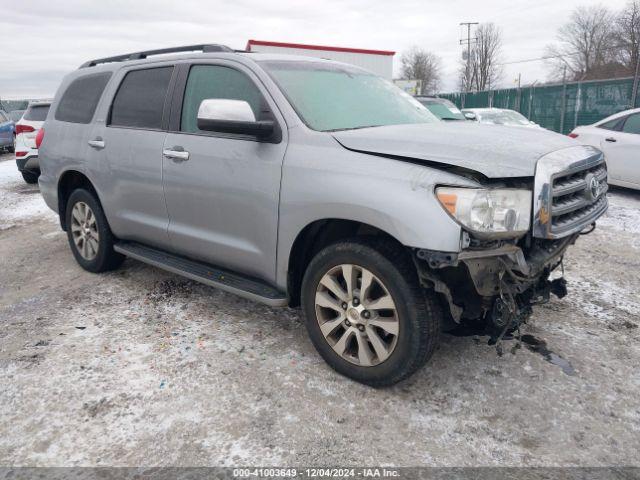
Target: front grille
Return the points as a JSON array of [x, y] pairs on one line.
[[570, 191], [573, 202]]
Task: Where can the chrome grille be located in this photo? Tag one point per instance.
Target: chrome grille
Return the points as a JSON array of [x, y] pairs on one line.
[[570, 191]]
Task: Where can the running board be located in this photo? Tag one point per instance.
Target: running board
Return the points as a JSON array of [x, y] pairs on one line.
[[231, 282]]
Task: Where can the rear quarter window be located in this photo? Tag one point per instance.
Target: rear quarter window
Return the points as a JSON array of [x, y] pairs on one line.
[[36, 113], [79, 101]]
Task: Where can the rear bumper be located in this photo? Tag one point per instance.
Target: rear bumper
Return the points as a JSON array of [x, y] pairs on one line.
[[28, 163]]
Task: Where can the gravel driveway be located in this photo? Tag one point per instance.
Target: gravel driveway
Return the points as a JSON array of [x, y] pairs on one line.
[[141, 367]]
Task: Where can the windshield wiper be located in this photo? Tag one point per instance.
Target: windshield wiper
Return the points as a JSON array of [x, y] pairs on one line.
[[352, 128]]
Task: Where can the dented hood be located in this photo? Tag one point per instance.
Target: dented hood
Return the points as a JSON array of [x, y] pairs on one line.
[[492, 150]]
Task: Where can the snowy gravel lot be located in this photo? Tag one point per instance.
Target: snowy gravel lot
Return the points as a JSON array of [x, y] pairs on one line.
[[141, 367]]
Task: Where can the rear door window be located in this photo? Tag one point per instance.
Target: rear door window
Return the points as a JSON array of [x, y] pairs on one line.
[[632, 125], [37, 113], [79, 101], [140, 100], [610, 125]]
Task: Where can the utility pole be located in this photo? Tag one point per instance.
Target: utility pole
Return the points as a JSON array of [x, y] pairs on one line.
[[468, 42]]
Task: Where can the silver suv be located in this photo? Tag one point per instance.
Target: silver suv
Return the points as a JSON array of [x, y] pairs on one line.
[[299, 181]]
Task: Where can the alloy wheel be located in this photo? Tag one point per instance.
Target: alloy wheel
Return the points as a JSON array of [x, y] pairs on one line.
[[84, 229], [357, 315]]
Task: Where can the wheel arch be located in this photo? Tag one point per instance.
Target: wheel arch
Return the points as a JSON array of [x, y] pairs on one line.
[[69, 181], [314, 237]]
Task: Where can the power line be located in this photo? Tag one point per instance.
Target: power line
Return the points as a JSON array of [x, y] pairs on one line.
[[568, 54]]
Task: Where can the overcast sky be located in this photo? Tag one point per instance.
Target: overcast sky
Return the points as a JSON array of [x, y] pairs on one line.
[[43, 40]]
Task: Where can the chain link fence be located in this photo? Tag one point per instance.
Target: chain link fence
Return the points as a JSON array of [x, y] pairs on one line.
[[559, 107]]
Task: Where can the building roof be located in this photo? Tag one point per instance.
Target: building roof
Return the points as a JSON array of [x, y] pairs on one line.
[[317, 47]]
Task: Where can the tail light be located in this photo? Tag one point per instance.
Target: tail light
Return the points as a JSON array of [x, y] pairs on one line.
[[573, 135], [24, 129], [39, 137], [21, 154]]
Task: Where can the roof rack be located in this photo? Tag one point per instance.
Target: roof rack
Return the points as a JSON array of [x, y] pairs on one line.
[[206, 48]]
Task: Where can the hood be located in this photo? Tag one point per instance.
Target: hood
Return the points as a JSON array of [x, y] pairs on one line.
[[492, 150]]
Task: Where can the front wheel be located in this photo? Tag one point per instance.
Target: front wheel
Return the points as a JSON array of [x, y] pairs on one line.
[[366, 313]]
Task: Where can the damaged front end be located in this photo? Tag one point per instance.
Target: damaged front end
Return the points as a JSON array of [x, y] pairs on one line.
[[493, 290], [493, 283]]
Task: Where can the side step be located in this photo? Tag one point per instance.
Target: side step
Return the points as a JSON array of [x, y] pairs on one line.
[[231, 282]]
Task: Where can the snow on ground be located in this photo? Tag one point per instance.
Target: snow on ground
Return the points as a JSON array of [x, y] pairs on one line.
[[142, 367], [17, 200], [624, 211]]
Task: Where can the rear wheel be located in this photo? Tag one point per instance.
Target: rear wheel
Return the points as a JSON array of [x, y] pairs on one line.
[[89, 235], [30, 177], [366, 313]]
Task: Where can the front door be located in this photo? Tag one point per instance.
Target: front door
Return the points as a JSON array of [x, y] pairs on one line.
[[223, 200]]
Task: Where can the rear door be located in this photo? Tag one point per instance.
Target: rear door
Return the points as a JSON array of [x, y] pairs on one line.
[[129, 149], [223, 201], [622, 150]]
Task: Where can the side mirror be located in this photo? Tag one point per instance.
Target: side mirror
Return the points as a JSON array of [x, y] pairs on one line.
[[232, 116], [470, 116]]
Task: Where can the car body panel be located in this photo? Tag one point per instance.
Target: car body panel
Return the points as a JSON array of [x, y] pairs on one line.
[[493, 151]]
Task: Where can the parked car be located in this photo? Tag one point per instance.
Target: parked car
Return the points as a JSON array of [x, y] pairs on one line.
[[6, 132], [498, 116], [441, 108], [618, 136], [25, 143], [303, 181], [16, 115]]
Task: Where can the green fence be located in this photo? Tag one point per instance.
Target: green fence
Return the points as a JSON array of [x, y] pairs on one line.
[[584, 103]]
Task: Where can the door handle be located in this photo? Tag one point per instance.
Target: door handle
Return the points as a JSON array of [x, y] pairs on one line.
[[176, 154], [610, 140], [97, 143]]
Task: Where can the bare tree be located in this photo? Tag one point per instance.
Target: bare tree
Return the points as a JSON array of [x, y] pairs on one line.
[[481, 70], [586, 44], [627, 36], [419, 64]]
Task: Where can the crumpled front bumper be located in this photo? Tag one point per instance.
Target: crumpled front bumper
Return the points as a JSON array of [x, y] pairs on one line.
[[498, 285]]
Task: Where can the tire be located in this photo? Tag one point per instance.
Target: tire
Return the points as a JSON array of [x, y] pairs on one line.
[[30, 177], [416, 319], [11, 150], [98, 255]]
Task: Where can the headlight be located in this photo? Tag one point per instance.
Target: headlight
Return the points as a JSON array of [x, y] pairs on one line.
[[499, 212]]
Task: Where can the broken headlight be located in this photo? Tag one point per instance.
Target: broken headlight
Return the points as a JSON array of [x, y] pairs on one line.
[[499, 212]]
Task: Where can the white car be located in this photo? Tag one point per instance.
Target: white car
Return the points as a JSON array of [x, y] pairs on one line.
[[498, 116], [618, 136], [25, 142]]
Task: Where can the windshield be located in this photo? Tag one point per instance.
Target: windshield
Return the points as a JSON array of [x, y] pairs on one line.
[[503, 117], [331, 97], [443, 109]]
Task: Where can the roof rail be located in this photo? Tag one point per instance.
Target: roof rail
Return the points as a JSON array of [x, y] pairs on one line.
[[205, 48]]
